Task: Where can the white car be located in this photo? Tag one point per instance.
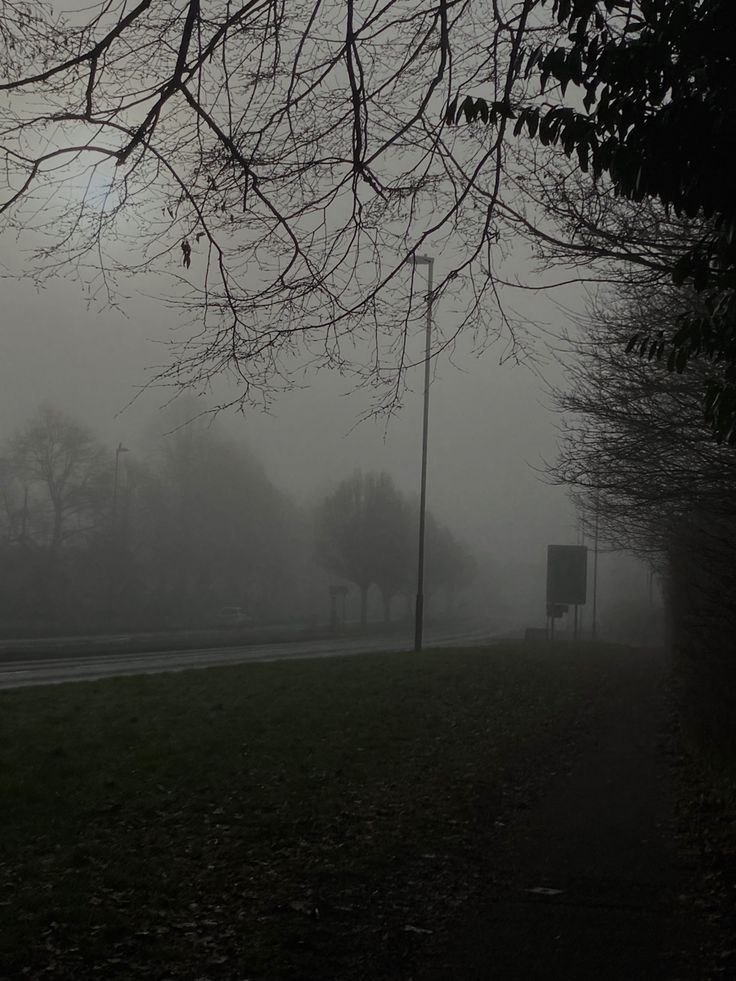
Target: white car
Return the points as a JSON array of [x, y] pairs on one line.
[[233, 616]]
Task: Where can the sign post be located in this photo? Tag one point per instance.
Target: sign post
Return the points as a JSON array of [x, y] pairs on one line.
[[567, 578]]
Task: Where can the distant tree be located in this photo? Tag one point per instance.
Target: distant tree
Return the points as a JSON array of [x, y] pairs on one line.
[[56, 492], [14, 498], [344, 535], [366, 532], [67, 473], [197, 525], [392, 532], [450, 564], [211, 529]]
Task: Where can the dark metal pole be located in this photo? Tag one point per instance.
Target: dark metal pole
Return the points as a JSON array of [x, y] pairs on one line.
[[114, 543], [24, 518], [419, 613], [115, 485], [120, 449], [594, 625]]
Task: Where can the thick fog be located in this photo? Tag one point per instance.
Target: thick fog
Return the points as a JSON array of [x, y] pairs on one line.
[[492, 430], [493, 427], [367, 427], [72, 345]]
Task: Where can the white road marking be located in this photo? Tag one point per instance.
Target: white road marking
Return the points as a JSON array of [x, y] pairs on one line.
[[20, 673]]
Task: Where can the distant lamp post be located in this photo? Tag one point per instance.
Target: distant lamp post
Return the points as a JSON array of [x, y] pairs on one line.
[[428, 261], [120, 449], [596, 522]]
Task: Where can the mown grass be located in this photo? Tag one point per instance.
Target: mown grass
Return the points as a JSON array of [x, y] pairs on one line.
[[268, 821]]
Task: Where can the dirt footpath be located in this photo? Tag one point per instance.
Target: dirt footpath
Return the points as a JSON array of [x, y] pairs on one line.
[[588, 884]]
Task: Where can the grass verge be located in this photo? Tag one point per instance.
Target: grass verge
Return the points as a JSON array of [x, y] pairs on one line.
[[313, 819]]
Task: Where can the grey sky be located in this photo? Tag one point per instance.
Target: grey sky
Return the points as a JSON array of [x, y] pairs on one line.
[[490, 426]]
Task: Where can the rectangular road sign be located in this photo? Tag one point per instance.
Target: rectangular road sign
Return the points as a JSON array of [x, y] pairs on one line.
[[567, 574]]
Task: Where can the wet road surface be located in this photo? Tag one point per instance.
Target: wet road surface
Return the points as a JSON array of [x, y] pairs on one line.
[[23, 670]]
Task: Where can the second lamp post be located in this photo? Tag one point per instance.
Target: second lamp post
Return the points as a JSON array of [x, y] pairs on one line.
[[428, 261]]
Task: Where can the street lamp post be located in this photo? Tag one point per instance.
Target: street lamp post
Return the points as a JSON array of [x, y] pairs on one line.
[[120, 449], [428, 261], [114, 555], [594, 630]]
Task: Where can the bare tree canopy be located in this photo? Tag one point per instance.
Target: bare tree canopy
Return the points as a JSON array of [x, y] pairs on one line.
[[285, 162], [282, 161], [645, 472], [365, 532], [634, 447], [68, 474], [653, 86]]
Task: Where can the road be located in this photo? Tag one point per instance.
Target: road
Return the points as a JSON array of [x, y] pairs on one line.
[[22, 671]]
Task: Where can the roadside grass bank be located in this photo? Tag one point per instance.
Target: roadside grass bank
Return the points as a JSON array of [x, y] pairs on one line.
[[307, 819]]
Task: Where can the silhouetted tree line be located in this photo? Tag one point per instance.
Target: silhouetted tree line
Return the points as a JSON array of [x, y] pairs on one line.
[[366, 533], [94, 538], [638, 452]]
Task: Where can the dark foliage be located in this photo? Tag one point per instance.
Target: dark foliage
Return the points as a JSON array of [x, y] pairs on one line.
[[657, 81]]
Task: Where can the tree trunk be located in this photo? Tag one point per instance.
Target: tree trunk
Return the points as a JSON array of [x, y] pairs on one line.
[[386, 606], [56, 530], [52, 579]]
